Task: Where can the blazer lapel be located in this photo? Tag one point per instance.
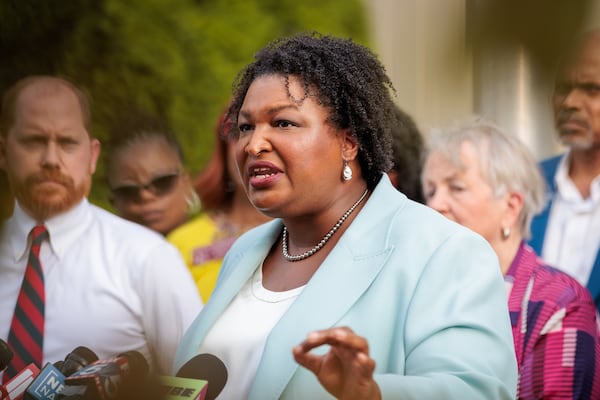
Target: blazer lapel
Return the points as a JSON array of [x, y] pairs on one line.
[[346, 274], [540, 221], [593, 284], [243, 262]]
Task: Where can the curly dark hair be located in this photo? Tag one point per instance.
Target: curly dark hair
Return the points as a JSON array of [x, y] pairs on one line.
[[348, 79], [408, 149]]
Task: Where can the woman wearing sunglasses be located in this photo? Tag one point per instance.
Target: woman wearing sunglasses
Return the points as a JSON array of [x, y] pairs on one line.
[[149, 186], [147, 180], [226, 214]]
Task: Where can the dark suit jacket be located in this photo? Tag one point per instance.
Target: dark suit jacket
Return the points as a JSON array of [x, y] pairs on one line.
[[540, 222]]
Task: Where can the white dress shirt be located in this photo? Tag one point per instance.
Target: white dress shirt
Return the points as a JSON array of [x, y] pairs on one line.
[[111, 285], [573, 232], [254, 311]]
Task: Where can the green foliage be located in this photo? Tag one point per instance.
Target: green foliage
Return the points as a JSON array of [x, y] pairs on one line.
[[175, 59]]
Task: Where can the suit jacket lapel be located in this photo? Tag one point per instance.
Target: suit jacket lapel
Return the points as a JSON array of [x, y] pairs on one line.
[[593, 284], [243, 262], [540, 221], [346, 273]]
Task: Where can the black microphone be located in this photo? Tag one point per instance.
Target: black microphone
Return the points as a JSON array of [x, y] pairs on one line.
[[51, 379], [206, 367], [77, 359], [6, 355], [107, 379]]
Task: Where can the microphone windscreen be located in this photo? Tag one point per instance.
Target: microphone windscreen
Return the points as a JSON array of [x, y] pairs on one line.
[[120, 377], [206, 367], [77, 359], [6, 354], [138, 366]]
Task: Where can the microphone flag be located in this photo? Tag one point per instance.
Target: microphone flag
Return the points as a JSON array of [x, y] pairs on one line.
[[176, 388]]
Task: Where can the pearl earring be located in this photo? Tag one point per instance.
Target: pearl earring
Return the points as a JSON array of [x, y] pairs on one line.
[[347, 171], [505, 232]]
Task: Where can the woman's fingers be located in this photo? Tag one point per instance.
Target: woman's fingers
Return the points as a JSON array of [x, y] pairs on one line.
[[339, 336], [346, 370], [351, 350]]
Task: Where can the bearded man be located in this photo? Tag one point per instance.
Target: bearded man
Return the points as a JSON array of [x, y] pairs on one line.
[[98, 280]]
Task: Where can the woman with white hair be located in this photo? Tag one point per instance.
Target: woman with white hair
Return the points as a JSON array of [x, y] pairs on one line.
[[488, 181]]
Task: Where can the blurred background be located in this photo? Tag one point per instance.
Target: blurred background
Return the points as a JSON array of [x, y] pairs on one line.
[[497, 58], [448, 59]]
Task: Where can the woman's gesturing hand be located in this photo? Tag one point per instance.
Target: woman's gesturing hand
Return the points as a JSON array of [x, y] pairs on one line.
[[346, 371]]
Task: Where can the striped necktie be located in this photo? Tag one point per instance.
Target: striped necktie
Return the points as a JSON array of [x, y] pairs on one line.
[[26, 336]]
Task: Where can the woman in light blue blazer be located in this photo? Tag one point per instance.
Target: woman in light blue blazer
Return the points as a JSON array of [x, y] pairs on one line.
[[353, 291]]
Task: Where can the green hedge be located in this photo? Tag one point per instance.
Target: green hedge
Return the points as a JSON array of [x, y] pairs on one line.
[[172, 58]]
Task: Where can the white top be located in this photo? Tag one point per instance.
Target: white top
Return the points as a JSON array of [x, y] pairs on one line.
[[573, 232], [111, 285], [254, 312]]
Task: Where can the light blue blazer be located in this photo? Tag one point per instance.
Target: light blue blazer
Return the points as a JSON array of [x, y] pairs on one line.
[[427, 294]]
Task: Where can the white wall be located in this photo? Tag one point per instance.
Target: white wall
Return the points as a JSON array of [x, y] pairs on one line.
[[422, 45], [439, 80]]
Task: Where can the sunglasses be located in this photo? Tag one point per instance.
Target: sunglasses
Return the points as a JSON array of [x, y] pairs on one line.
[[159, 186]]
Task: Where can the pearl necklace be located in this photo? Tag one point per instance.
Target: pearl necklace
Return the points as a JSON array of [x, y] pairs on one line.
[[325, 239]]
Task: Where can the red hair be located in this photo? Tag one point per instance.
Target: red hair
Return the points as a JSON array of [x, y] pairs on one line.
[[213, 184]]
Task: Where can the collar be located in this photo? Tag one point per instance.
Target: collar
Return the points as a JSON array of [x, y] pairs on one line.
[[566, 188], [564, 185], [63, 229]]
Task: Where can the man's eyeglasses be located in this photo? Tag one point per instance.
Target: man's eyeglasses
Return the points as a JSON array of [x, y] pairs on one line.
[[159, 186]]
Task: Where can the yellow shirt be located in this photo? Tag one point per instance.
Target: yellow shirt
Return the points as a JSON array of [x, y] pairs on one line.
[[202, 246]]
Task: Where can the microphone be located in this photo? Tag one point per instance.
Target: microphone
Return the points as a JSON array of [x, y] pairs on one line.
[[6, 355], [206, 367], [15, 387], [51, 379], [106, 379], [49, 382], [77, 359], [175, 388]]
